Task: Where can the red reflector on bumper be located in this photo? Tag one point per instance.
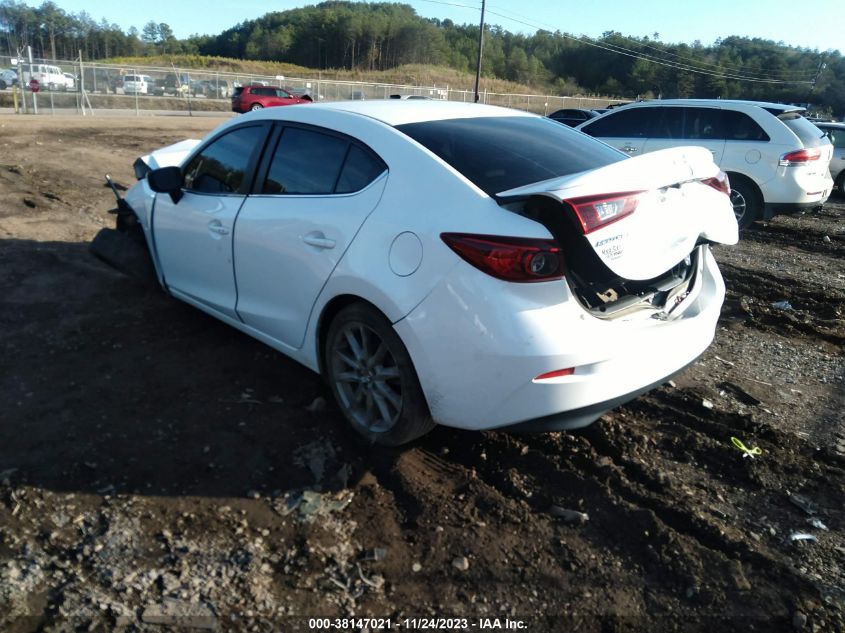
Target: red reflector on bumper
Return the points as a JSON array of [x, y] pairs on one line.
[[556, 374]]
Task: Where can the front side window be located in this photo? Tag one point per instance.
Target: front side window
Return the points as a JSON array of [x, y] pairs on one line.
[[624, 123], [221, 167], [665, 122]]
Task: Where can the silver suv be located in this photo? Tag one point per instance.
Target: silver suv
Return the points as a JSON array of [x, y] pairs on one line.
[[777, 161], [836, 133]]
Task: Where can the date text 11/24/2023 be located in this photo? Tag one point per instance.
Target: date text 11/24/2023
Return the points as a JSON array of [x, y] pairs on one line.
[[421, 623]]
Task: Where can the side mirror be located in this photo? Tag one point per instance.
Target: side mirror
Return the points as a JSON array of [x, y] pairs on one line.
[[167, 180]]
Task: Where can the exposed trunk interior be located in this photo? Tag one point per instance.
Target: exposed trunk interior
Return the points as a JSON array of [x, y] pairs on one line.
[[601, 291]]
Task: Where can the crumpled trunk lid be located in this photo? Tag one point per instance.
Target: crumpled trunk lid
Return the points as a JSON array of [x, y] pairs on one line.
[[644, 215]]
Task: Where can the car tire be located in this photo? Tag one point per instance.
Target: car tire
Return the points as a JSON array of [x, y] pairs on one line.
[[373, 379], [2, 85], [745, 199], [255, 106]]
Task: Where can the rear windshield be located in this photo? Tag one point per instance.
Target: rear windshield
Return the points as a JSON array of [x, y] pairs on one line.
[[238, 91], [133, 78], [807, 133], [501, 153]]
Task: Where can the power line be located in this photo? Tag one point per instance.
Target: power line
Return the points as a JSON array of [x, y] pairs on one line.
[[648, 58]]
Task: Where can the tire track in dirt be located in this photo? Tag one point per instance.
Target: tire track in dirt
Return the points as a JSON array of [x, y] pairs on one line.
[[815, 313]]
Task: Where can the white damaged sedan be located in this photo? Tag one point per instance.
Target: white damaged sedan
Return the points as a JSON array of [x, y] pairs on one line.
[[438, 262]]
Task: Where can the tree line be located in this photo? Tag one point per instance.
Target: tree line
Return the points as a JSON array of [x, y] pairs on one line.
[[381, 35]]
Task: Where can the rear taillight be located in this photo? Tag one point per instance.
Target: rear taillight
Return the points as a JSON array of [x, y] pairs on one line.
[[595, 212], [719, 182], [518, 259], [800, 157]]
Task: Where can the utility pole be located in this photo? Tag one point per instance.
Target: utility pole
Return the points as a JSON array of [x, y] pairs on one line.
[[480, 47]]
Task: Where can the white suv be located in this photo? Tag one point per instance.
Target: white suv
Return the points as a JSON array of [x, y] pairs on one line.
[[137, 84], [777, 161]]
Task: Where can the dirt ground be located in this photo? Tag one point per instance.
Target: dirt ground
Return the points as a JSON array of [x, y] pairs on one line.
[[161, 471]]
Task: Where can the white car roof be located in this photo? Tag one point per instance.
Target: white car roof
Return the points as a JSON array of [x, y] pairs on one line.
[[400, 111], [719, 103]]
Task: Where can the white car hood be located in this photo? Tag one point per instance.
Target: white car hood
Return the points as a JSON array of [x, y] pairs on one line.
[[674, 211], [171, 155]]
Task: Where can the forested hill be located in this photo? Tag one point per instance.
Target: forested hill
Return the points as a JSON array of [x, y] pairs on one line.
[[383, 35], [380, 36]]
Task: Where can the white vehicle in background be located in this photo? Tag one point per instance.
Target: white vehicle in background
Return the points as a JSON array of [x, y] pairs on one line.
[[137, 84], [70, 81], [776, 160], [48, 77], [439, 262], [836, 133], [8, 78]]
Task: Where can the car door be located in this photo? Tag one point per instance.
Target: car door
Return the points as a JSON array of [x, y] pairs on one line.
[[283, 97], [626, 129], [193, 237], [314, 192]]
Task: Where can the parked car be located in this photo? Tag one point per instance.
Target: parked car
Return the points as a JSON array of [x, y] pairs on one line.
[[173, 84], [212, 89], [49, 77], [137, 84], [440, 262], [254, 97], [8, 78], [70, 81], [573, 116], [836, 134], [776, 160]]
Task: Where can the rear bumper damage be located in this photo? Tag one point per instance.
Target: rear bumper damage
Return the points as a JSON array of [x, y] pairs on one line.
[[500, 356]]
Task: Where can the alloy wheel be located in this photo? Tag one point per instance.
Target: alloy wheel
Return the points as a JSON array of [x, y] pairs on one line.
[[367, 378]]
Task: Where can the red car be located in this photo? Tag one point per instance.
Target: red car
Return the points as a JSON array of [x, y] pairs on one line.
[[246, 98]]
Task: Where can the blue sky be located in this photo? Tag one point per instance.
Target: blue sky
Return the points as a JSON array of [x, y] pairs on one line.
[[818, 27]]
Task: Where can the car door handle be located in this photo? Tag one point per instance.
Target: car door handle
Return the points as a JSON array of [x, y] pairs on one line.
[[630, 149], [319, 240], [215, 226]]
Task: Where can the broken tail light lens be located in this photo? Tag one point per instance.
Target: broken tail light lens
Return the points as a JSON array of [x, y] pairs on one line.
[[595, 212], [719, 182], [517, 259], [800, 157]]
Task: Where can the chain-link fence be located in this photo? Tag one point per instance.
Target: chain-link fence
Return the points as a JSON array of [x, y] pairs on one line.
[[85, 87]]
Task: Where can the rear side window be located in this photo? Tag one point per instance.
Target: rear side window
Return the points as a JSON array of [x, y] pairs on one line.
[[359, 170], [501, 153], [741, 127], [807, 133], [625, 123], [704, 124]]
